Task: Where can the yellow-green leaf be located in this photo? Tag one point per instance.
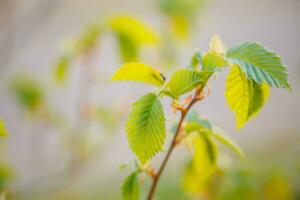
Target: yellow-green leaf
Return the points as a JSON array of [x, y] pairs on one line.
[[244, 97], [145, 127], [202, 165], [139, 72], [212, 60], [127, 47], [217, 45], [131, 187], [259, 64], [3, 131], [138, 32], [195, 60], [259, 97], [184, 80]]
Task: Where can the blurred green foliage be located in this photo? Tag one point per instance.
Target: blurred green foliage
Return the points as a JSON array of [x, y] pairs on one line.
[[28, 92], [3, 131]]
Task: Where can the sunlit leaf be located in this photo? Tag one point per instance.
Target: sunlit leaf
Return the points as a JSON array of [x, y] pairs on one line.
[[196, 60], [3, 131], [180, 26], [145, 127], [139, 72], [212, 60], [244, 96], [259, 97], [203, 164], [185, 80], [259, 64], [131, 187], [217, 45], [134, 29]]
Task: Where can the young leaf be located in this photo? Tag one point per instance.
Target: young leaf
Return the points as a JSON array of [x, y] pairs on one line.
[[131, 188], [244, 96], [195, 60], [259, 64], [202, 165], [185, 80], [3, 131], [217, 45], [228, 142], [212, 60], [134, 71], [194, 117], [145, 127]]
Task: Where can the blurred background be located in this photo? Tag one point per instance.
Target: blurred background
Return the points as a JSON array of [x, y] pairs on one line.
[[66, 118]]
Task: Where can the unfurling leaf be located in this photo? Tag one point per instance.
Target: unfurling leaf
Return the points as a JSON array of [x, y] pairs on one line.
[[139, 72], [185, 80], [145, 127], [244, 97], [259, 64], [131, 187], [217, 45], [202, 165], [3, 131]]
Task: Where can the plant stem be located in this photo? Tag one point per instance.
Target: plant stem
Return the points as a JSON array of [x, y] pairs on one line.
[[174, 142]]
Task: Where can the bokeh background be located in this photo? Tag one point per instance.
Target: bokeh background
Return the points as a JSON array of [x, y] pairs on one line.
[[75, 152]]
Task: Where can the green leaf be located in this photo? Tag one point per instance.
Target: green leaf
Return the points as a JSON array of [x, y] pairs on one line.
[[28, 92], [195, 60], [145, 127], [213, 60], [223, 138], [134, 71], [128, 49], [185, 80], [259, 96], [3, 131], [244, 96], [203, 164], [131, 188], [259, 64], [134, 29], [192, 116]]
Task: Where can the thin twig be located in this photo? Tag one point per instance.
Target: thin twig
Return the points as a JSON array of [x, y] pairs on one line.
[[174, 141]]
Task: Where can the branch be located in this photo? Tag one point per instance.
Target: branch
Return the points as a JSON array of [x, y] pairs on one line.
[[197, 97]]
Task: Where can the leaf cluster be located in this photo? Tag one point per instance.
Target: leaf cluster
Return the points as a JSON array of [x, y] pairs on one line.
[[253, 70]]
